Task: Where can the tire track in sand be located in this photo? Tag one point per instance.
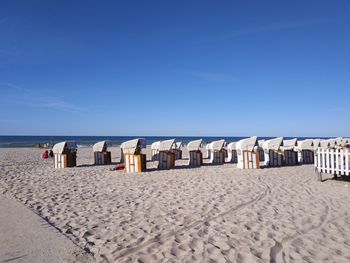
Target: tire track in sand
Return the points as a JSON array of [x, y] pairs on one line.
[[159, 238], [277, 252]]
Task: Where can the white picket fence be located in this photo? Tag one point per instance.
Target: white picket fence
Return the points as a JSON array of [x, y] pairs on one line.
[[332, 161]]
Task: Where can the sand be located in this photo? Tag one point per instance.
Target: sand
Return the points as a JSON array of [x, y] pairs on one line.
[[206, 214]]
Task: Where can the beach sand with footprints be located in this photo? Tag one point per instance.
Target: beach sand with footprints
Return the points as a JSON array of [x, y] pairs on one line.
[[207, 214]]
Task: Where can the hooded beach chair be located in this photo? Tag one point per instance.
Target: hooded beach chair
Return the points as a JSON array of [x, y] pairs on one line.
[[217, 153], [247, 156], [177, 150], [134, 159], [65, 154], [166, 157], [155, 151], [231, 152], [305, 150], [142, 142], [272, 151], [290, 155], [101, 153], [195, 153]]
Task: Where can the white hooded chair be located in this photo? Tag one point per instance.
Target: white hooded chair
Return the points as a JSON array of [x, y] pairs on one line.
[[273, 155], [231, 152], [101, 154], [247, 157], [166, 157], [290, 156], [155, 151], [134, 158], [305, 150], [195, 153], [65, 154], [217, 153]]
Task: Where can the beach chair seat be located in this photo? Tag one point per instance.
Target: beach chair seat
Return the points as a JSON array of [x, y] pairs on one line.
[[134, 163], [195, 158], [275, 158], [102, 158], [166, 160], [290, 157], [308, 156], [251, 160], [218, 157]]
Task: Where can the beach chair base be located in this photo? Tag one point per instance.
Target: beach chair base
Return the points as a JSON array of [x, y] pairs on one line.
[[134, 163], [307, 157], [275, 158], [290, 157], [102, 158], [250, 160], [166, 160], [232, 156], [218, 157], [196, 158], [65, 160]]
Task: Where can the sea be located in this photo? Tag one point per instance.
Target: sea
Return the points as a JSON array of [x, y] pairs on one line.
[[87, 141]]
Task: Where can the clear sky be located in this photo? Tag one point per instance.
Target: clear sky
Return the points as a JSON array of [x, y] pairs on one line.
[[225, 68]]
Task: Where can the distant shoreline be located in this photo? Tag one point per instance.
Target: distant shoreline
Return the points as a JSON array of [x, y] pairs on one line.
[[87, 141]]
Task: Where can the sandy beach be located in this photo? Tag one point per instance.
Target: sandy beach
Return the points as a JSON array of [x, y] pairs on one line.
[[206, 214]]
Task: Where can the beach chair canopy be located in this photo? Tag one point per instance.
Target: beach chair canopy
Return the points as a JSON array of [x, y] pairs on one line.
[[261, 143], [155, 145], [166, 145], [61, 147], [133, 146], [305, 145], [231, 146], [101, 146], [247, 144], [194, 145], [217, 145], [273, 144], [289, 144]]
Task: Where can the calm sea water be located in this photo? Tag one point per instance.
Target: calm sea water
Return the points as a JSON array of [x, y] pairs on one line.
[[32, 141]]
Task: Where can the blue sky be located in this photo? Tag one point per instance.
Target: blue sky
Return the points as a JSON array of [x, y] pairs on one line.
[[225, 68]]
